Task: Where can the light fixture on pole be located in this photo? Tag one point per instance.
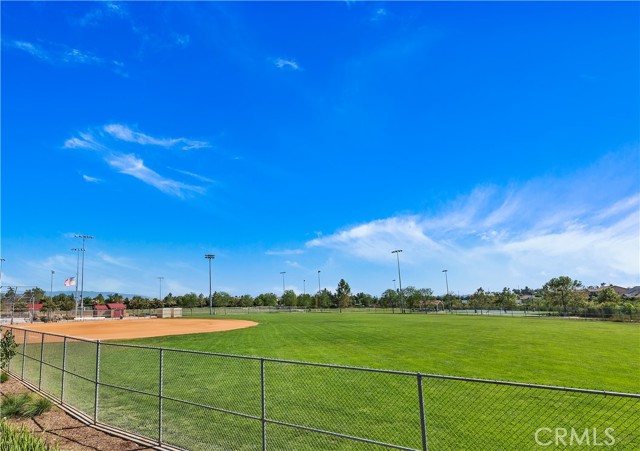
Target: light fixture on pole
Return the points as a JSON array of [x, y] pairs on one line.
[[84, 237], [210, 257], [51, 289], [446, 279], [319, 282], [304, 286], [160, 298], [75, 298], [1, 260], [397, 252], [394, 285], [283, 273]]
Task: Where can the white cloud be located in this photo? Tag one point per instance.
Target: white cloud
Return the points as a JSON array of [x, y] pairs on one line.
[[90, 179], [521, 231], [199, 177], [124, 133], [61, 54], [285, 252], [131, 165], [282, 63]]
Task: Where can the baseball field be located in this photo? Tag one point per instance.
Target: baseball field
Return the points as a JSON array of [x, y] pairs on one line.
[[583, 354]]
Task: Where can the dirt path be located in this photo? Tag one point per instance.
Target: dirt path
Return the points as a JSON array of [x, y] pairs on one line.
[[138, 328]]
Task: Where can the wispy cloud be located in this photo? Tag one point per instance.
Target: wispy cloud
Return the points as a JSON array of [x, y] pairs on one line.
[[124, 133], [282, 63], [285, 252], [90, 179], [549, 225], [194, 175], [118, 144], [379, 14], [59, 54], [131, 165]]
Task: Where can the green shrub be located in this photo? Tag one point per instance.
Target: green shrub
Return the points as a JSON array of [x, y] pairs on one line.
[[4, 377], [20, 438], [24, 405]]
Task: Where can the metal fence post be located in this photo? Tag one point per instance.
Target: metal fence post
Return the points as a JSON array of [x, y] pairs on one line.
[[64, 368], [41, 362], [24, 351], [160, 398], [423, 423], [95, 405], [264, 407]]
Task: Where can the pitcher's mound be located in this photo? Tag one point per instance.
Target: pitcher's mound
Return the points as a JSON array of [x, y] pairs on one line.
[[139, 328]]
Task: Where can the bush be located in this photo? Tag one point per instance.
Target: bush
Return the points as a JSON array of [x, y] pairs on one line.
[[4, 377], [24, 405], [20, 438]]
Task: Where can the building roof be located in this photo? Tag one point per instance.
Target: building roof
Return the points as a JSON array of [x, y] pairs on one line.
[[35, 306], [100, 307], [116, 305]]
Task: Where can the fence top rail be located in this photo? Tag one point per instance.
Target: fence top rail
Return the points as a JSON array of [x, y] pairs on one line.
[[355, 368]]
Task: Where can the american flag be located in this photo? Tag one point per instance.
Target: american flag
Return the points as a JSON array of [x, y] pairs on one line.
[[70, 282]]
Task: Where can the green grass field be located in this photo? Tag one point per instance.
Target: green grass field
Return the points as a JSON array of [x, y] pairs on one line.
[[572, 353], [384, 407]]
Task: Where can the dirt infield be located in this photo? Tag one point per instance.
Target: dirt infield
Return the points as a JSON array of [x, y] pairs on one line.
[[138, 328]]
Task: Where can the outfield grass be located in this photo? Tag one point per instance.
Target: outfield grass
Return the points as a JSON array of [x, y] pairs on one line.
[[573, 353], [384, 407]]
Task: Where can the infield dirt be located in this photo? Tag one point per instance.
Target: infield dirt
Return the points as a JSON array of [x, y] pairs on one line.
[[138, 328]]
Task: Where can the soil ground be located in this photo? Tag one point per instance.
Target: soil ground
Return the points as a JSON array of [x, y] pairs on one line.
[[65, 431], [137, 328]]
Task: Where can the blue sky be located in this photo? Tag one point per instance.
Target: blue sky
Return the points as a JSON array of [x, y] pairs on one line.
[[498, 140]]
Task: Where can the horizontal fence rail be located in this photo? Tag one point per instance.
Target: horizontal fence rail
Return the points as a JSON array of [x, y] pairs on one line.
[[207, 401]]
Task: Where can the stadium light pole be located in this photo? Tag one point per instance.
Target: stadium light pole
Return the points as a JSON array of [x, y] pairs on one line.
[[84, 237], [283, 273], [210, 257], [397, 252], [319, 282], [1, 260], [75, 298], [446, 279], [394, 285], [304, 286], [160, 299], [51, 288]]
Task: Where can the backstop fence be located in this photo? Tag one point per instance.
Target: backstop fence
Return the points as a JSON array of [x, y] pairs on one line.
[[210, 401]]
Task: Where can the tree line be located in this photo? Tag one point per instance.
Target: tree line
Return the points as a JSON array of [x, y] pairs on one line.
[[561, 294]]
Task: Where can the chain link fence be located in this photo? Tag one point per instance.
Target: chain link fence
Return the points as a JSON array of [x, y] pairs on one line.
[[208, 401]]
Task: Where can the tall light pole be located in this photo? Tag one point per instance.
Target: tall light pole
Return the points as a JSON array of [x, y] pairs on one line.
[[51, 289], [160, 299], [319, 282], [394, 285], [1, 260], [446, 279], [397, 252], [304, 286], [283, 273], [210, 257], [84, 237], [75, 298]]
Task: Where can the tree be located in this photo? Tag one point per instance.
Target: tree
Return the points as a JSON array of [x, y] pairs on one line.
[[266, 299], [363, 299], [449, 301], [564, 291], [304, 300], [478, 300], [343, 294], [98, 300], [7, 348], [608, 295], [389, 298], [289, 298], [506, 299]]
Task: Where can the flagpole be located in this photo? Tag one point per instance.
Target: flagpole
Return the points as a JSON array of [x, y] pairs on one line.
[[77, 272]]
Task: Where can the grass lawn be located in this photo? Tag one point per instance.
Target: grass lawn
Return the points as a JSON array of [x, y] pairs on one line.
[[572, 353]]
